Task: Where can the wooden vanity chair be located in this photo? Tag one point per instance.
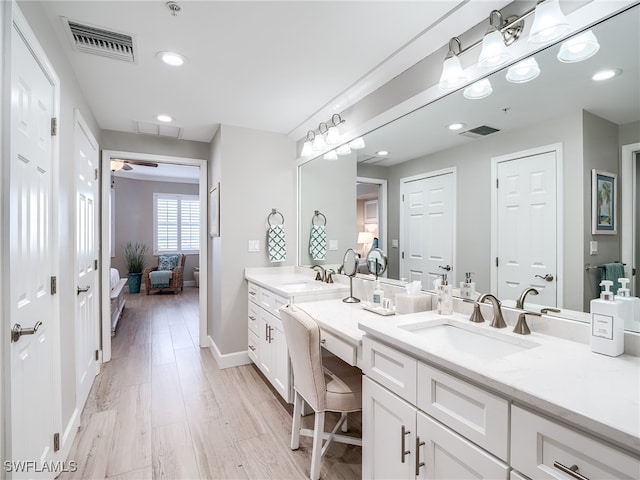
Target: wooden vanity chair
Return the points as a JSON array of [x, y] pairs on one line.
[[176, 282], [327, 386]]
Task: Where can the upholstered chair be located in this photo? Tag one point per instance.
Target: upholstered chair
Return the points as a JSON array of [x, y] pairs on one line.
[[174, 277], [326, 383]]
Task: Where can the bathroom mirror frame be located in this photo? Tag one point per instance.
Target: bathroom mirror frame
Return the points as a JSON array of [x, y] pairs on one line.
[[625, 10]]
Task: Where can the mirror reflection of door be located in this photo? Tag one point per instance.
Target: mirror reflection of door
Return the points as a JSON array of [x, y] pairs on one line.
[[427, 227], [371, 215], [526, 240]]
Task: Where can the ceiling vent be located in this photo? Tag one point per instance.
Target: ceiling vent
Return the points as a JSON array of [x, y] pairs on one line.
[[481, 131], [99, 41], [147, 128], [370, 159]]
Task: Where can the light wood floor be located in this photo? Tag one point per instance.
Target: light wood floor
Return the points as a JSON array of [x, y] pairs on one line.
[[161, 408]]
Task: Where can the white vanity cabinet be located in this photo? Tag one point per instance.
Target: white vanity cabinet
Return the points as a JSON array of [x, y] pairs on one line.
[[267, 346], [401, 441]]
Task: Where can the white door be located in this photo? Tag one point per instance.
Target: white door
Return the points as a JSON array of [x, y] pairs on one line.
[[34, 395], [428, 233], [526, 228], [87, 318]]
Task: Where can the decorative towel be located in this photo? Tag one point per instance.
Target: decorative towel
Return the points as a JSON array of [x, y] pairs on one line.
[[318, 242], [160, 278], [276, 243], [613, 271]]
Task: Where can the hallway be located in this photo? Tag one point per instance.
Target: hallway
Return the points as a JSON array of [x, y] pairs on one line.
[[161, 408]]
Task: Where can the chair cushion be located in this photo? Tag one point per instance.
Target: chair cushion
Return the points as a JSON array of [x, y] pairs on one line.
[[168, 262], [344, 386]]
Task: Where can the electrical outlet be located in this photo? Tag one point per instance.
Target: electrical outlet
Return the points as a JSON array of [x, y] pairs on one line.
[[593, 248], [254, 245], [394, 243]]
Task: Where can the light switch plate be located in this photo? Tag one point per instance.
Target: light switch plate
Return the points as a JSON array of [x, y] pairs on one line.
[[394, 243], [593, 248], [333, 244], [254, 245]]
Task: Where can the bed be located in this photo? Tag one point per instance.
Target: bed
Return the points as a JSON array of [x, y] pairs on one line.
[[117, 297]]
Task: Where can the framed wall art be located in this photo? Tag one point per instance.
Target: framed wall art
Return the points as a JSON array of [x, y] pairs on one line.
[[604, 198]]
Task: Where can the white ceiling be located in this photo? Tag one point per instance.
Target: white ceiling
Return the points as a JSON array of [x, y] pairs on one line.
[[264, 65]]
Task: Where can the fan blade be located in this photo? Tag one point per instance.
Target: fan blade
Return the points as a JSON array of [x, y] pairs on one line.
[[141, 163], [127, 167]]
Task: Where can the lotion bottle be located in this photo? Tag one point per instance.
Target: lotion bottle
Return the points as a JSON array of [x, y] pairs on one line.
[[378, 294], [607, 324], [631, 306], [468, 287], [445, 298]]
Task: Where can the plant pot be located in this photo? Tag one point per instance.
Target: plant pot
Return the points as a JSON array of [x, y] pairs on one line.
[[134, 282]]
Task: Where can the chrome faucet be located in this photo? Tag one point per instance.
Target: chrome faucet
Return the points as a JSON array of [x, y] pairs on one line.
[[523, 295], [322, 273], [498, 319]]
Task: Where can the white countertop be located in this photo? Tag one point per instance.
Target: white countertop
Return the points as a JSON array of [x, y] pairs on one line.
[[292, 281]]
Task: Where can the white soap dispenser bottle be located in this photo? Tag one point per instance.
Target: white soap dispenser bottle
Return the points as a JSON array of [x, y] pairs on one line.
[[468, 287], [445, 297], [607, 324], [631, 306], [378, 294]]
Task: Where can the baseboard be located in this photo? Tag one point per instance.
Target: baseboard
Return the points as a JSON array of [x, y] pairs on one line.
[[228, 360], [189, 283], [70, 432]]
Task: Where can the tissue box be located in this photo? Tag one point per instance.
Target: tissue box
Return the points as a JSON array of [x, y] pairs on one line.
[[412, 303]]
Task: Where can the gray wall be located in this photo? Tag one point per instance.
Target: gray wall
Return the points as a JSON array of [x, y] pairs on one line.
[[131, 142], [134, 218], [256, 171], [70, 98]]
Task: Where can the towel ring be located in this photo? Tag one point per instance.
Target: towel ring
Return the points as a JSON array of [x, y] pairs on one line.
[[318, 214], [275, 212]]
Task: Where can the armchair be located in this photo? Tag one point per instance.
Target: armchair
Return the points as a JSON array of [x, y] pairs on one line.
[[167, 275]]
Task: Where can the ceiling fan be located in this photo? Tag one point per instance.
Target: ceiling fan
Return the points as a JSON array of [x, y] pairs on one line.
[[125, 164]]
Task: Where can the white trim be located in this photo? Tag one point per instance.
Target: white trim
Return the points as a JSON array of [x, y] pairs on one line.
[[557, 149], [628, 190], [421, 176], [105, 261], [228, 360], [382, 207], [66, 439]]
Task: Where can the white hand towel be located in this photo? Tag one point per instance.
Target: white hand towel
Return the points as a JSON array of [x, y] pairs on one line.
[[318, 242], [276, 244]]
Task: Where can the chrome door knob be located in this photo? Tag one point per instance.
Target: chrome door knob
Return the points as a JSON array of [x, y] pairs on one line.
[[82, 290], [17, 331], [548, 277]]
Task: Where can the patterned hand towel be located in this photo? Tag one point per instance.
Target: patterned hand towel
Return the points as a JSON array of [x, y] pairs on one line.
[[613, 271], [276, 244], [318, 242]]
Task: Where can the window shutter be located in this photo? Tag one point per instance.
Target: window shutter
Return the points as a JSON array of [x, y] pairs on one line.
[[190, 224], [167, 224]]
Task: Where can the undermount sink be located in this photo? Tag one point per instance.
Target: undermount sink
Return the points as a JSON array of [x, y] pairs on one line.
[[470, 340]]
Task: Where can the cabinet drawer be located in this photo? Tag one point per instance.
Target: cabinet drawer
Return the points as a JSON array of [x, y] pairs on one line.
[[253, 293], [390, 368], [270, 301], [341, 349], [445, 454], [252, 317], [540, 448], [253, 345], [476, 414]]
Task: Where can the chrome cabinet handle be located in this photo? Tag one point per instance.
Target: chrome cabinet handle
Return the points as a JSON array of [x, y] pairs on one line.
[[270, 330], [82, 290], [403, 453], [323, 341], [548, 277], [17, 331], [252, 348], [418, 462], [251, 292], [571, 471], [266, 332], [252, 318]]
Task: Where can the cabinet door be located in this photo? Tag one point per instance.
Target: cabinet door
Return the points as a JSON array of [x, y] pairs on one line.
[[281, 364], [265, 352], [388, 434], [443, 454]]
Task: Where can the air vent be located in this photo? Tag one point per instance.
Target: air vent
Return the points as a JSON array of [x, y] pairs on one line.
[[370, 159], [99, 41], [481, 131], [147, 128]]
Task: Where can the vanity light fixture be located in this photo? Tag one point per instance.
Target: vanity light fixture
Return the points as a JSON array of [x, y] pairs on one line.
[[343, 149], [172, 59], [499, 36], [357, 144], [480, 89], [330, 155], [455, 126], [523, 71], [549, 23], [579, 48], [452, 75], [164, 118], [307, 148], [318, 143], [607, 74], [333, 134]]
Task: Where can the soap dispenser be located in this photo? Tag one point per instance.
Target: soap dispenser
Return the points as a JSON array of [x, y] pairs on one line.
[[445, 298], [631, 306], [378, 294], [607, 324], [468, 287]]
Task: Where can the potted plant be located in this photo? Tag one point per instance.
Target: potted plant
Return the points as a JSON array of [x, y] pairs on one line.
[[134, 255]]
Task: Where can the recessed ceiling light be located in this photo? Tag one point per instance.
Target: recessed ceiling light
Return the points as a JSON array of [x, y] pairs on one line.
[[606, 74], [382, 153], [455, 126], [164, 118], [172, 58]]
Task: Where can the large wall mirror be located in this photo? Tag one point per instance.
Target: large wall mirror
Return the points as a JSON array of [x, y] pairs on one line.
[[538, 141]]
